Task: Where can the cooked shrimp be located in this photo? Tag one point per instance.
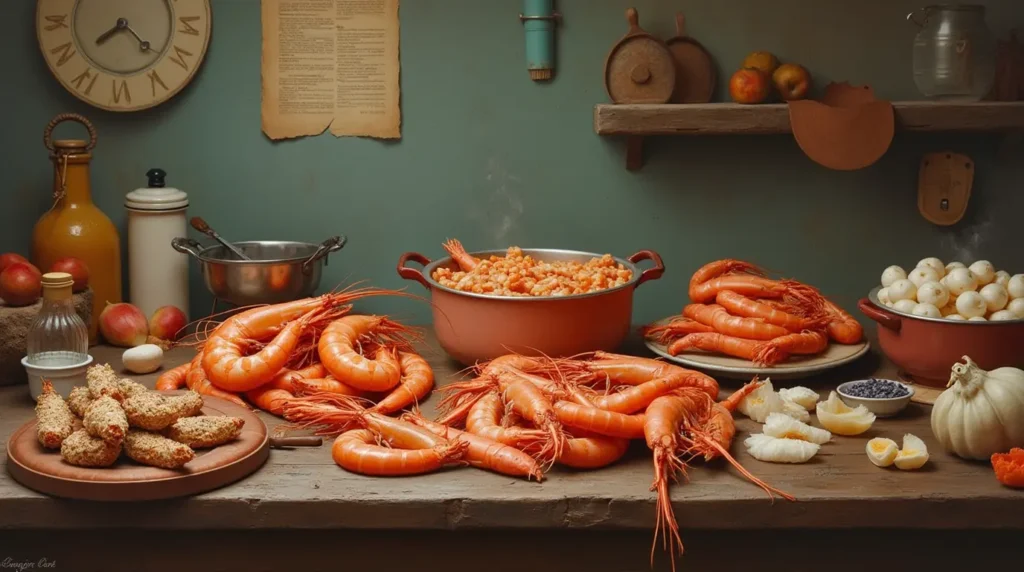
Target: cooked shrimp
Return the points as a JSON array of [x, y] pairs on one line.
[[196, 381], [483, 452], [329, 384], [173, 378], [740, 305], [677, 328], [664, 419], [630, 370], [338, 353], [286, 378], [717, 343], [485, 419], [600, 421], [737, 326], [455, 249], [529, 401], [270, 399], [747, 285], [638, 397], [712, 435], [357, 451], [228, 368], [593, 451], [804, 343], [333, 414], [721, 268], [843, 327], [417, 381]]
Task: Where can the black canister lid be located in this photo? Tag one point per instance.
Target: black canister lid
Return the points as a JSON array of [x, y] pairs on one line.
[[156, 178]]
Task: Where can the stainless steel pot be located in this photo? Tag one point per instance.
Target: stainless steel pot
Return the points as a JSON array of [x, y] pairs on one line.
[[278, 271]]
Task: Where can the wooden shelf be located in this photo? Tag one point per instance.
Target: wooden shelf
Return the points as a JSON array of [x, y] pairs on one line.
[[637, 121]]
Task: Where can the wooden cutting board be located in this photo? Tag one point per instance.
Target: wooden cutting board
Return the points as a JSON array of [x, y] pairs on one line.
[[44, 470]]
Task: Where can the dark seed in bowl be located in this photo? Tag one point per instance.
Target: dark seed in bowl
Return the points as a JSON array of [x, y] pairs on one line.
[[876, 389]]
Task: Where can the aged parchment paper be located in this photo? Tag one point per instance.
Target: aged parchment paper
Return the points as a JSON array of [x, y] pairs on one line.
[[331, 64]]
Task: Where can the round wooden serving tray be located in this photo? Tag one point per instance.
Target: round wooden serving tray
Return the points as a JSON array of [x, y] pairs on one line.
[[695, 72], [639, 68], [44, 471], [796, 367]]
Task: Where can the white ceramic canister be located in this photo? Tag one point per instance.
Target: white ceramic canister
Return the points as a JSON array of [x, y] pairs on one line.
[[158, 274]]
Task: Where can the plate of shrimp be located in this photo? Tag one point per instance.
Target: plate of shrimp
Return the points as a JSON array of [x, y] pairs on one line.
[[740, 323]]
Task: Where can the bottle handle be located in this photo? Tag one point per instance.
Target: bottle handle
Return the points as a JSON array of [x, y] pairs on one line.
[[61, 118]]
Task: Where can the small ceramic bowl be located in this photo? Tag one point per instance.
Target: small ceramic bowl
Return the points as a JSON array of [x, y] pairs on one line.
[[63, 377], [887, 407]]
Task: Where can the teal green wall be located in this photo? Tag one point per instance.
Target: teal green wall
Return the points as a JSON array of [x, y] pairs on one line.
[[492, 158]]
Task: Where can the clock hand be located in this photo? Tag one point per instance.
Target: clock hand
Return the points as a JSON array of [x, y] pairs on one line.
[[120, 25], [143, 44]]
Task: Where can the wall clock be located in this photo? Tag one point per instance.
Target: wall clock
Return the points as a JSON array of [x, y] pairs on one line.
[[123, 55]]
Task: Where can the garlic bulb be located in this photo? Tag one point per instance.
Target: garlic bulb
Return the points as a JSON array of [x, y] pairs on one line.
[[995, 297], [983, 271], [923, 274], [902, 290], [958, 281], [932, 293], [981, 412]]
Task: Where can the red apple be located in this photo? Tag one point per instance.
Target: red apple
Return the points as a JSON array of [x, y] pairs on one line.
[[749, 85], [123, 325], [167, 323], [76, 268], [9, 258], [791, 81], [20, 284]]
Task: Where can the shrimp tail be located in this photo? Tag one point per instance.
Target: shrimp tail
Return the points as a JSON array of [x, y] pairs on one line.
[[733, 401], [329, 414]]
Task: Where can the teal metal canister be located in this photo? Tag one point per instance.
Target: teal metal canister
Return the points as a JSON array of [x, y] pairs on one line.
[[539, 19]]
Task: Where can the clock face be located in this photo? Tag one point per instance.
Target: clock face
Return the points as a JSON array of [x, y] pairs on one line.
[[123, 55]]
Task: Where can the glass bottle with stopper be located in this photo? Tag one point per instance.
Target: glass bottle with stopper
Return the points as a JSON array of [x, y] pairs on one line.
[[58, 340]]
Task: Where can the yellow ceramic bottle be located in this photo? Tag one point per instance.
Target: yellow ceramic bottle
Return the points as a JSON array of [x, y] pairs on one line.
[[74, 226]]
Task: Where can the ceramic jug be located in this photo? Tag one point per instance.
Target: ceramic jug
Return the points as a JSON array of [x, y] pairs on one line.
[[74, 226]]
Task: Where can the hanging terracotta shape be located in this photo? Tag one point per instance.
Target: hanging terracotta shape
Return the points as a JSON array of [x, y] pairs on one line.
[[944, 187], [847, 130]]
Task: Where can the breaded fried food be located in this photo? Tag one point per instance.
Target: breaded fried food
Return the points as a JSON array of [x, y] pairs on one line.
[[105, 419], [130, 387], [102, 380], [156, 450], [153, 411], [56, 422], [205, 431], [83, 450], [79, 400]]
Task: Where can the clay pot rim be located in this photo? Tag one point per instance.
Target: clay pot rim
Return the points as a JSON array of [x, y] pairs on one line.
[[873, 296], [428, 272]]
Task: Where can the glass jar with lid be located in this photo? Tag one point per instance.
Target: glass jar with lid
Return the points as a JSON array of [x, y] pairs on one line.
[[954, 52], [58, 341]]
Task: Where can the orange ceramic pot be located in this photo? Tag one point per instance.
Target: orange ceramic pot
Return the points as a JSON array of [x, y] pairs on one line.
[[474, 327], [927, 348]]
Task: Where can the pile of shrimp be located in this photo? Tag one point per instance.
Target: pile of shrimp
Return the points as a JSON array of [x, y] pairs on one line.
[[520, 415], [736, 311], [518, 274], [268, 356]]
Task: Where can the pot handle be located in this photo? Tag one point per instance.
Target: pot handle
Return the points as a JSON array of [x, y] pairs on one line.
[[885, 319], [411, 273], [186, 246], [650, 273], [328, 246]]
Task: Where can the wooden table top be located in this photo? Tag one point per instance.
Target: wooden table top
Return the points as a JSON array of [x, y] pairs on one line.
[[303, 488]]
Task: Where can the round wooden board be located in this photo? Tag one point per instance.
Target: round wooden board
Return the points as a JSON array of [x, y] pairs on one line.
[[44, 470], [735, 368]]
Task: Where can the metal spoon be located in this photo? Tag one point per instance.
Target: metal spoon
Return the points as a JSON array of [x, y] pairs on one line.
[[199, 224]]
